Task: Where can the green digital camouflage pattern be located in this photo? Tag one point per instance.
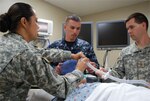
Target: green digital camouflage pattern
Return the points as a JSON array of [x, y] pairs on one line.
[[23, 66], [133, 63]]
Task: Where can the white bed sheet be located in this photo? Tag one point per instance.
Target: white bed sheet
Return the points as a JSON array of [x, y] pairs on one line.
[[119, 92]]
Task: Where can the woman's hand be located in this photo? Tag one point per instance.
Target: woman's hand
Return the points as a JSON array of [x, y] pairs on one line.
[[89, 70], [81, 65]]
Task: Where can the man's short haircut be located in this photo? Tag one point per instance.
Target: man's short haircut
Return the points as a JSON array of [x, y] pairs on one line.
[[73, 17], [139, 18]]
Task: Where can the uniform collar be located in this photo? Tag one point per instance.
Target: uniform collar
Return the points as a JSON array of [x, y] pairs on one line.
[[64, 42]]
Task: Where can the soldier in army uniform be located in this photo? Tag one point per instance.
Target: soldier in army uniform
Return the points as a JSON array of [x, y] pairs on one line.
[[22, 66], [134, 60]]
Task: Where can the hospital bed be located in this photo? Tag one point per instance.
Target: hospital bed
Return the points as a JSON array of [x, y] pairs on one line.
[[103, 92]]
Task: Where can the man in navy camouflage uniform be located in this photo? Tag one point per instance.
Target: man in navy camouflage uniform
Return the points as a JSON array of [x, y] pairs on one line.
[[134, 60], [22, 66], [72, 43]]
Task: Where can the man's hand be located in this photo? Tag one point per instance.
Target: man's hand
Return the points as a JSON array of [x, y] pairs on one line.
[[101, 72], [77, 56]]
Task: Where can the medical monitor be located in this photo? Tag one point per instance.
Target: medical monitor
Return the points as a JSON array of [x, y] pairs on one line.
[[112, 35], [45, 27]]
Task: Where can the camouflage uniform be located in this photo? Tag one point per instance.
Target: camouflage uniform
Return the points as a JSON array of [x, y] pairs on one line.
[[133, 63], [78, 45], [22, 66]]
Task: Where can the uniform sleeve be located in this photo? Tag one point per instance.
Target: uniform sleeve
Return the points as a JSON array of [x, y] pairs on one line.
[[34, 70], [118, 69], [56, 55]]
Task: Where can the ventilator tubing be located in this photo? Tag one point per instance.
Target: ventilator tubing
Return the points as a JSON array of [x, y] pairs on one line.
[[107, 75]]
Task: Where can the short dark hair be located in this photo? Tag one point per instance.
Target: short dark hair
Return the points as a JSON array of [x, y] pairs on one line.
[[9, 21], [73, 17], [139, 18]]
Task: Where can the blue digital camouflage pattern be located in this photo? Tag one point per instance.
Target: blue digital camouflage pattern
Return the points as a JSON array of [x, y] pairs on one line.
[[22, 66], [78, 45], [133, 63]]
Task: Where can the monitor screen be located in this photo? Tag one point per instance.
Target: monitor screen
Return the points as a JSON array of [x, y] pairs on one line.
[[112, 35], [85, 33]]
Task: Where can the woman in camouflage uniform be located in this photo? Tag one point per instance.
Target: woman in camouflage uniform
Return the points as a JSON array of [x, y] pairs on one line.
[[22, 66]]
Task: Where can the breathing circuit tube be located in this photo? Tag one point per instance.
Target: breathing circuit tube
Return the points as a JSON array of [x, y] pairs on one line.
[[106, 75]]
